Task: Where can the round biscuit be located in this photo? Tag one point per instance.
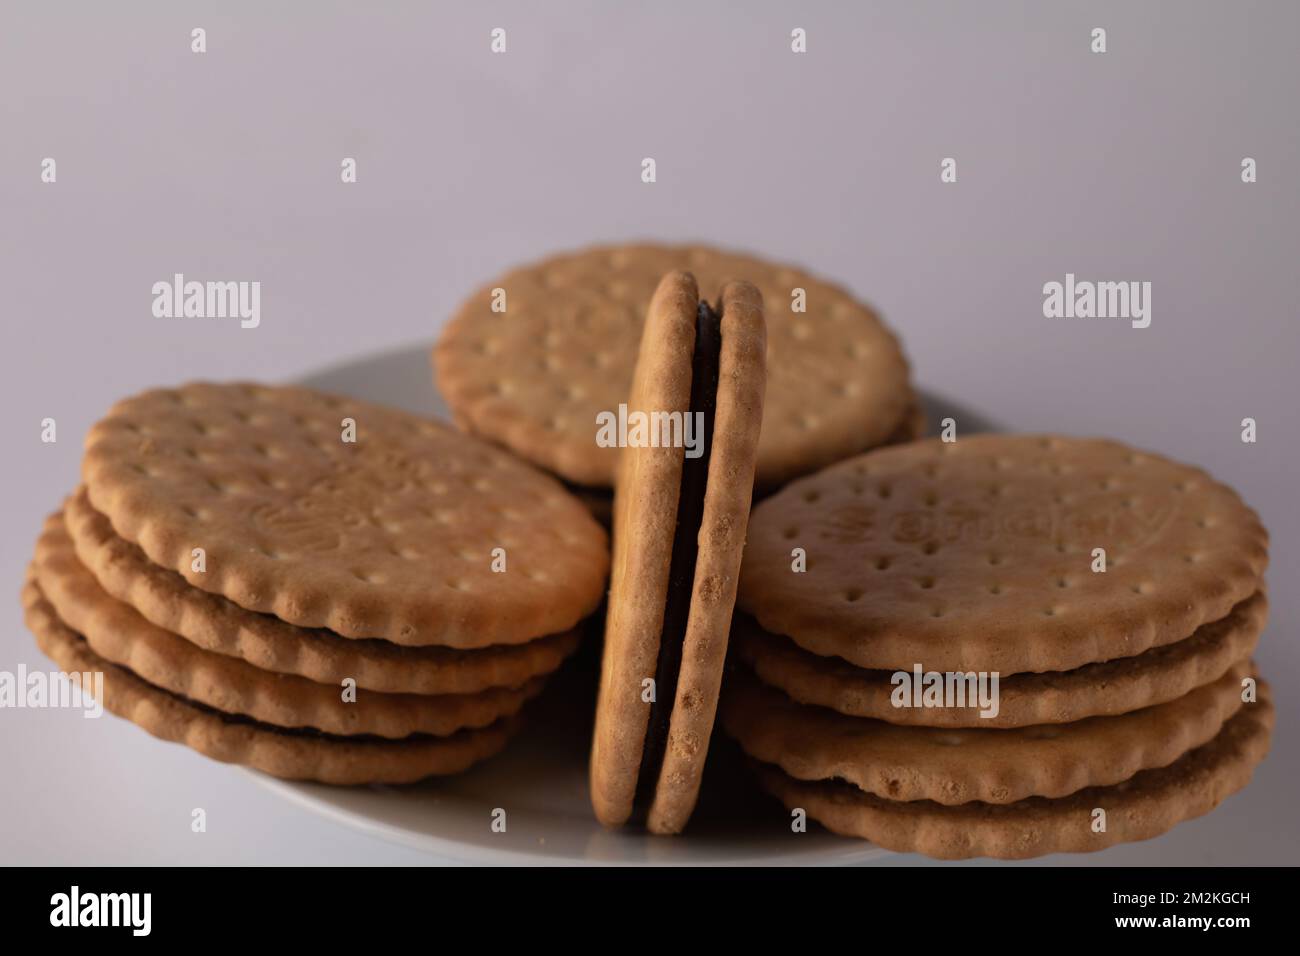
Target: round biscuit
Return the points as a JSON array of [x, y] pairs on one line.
[[534, 377], [979, 554], [391, 535]]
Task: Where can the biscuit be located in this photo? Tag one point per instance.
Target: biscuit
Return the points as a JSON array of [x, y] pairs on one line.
[[390, 536], [955, 766], [117, 633], [534, 377], [1147, 805], [1053, 697], [216, 624], [293, 755], [679, 531], [978, 555]]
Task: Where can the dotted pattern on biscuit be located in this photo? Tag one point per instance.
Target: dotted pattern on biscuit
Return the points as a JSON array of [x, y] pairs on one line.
[[977, 555], [388, 537], [534, 377]]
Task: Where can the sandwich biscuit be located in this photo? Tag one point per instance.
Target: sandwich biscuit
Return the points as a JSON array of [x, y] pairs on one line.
[[116, 632], [679, 531], [1117, 686], [289, 754], [213, 623], [1145, 806]]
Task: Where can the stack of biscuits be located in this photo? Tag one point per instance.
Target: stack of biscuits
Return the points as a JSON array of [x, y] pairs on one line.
[[311, 585], [1001, 646]]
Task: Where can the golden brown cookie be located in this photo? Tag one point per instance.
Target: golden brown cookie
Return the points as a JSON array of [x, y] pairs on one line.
[[1143, 807], [391, 535], [679, 530], [1052, 697], [116, 632], [294, 755], [534, 376], [954, 766], [979, 554], [216, 624]]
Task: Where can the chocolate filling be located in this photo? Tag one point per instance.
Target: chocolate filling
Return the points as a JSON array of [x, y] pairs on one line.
[[686, 547]]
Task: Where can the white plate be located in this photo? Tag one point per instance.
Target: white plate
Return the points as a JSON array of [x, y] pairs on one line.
[[540, 781]]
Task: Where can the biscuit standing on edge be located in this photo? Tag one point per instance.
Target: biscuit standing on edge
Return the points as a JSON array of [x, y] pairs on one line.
[[679, 530]]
